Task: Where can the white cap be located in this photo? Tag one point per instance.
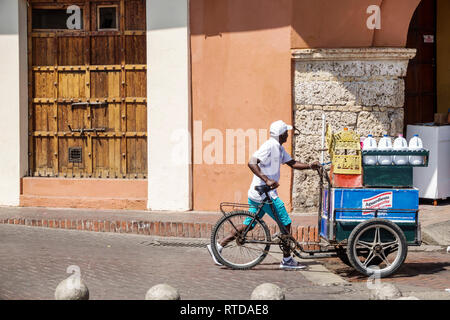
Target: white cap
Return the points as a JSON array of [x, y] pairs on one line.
[[278, 128]]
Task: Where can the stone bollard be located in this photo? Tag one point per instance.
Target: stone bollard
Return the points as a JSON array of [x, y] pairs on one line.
[[72, 288], [385, 291], [162, 292], [267, 291]]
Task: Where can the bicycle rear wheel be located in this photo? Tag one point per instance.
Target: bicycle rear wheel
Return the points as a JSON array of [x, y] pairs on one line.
[[241, 252]]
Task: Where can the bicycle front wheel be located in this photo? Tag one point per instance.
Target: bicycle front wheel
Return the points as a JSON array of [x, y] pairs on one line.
[[240, 252]]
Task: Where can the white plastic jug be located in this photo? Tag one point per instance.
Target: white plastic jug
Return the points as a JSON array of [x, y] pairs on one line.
[[415, 144], [400, 144], [370, 144], [385, 144]]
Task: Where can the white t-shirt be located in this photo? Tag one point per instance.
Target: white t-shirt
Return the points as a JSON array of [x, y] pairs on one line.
[[271, 155]]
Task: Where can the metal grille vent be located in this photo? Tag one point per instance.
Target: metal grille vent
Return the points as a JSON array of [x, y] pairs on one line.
[[175, 244], [75, 155]]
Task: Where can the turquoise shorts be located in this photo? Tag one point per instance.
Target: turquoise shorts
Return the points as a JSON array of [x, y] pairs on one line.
[[279, 207]]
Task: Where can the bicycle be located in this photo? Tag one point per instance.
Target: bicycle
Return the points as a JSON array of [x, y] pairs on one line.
[[251, 241], [373, 243]]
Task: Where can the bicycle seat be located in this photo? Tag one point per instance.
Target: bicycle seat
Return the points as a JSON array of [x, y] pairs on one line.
[[262, 189]]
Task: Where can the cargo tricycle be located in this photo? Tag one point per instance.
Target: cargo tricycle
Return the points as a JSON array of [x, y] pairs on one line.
[[369, 229]]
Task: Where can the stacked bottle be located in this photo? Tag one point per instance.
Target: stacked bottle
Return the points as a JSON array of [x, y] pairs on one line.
[[400, 144], [370, 144], [385, 144], [415, 144]]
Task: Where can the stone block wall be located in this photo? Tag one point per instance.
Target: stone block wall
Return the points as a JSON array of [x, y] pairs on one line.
[[361, 89]]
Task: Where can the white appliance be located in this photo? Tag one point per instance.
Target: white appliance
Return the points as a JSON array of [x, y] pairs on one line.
[[433, 181]]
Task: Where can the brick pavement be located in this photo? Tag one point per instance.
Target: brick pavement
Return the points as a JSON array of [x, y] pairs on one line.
[[420, 269], [123, 266]]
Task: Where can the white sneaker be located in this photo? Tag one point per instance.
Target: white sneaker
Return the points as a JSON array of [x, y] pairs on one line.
[[291, 264], [212, 255]]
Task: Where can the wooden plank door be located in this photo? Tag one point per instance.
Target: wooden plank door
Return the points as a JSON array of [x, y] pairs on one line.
[[420, 102], [87, 88]]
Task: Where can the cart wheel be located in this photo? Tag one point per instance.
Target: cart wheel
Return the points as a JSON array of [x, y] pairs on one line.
[[384, 244]]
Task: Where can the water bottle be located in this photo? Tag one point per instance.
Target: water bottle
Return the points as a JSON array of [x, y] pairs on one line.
[[370, 144], [385, 144], [415, 144], [400, 144]]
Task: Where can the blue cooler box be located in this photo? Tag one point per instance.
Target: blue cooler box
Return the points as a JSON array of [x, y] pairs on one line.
[[349, 207]]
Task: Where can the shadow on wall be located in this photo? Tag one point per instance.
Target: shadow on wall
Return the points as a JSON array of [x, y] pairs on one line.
[[315, 24]]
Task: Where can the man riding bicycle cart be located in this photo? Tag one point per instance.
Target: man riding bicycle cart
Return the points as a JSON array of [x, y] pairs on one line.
[[369, 227]]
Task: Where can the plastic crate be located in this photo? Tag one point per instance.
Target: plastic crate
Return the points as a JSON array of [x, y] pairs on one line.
[[391, 175]]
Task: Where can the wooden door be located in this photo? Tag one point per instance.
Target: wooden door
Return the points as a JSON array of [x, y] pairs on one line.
[[87, 89], [420, 102]]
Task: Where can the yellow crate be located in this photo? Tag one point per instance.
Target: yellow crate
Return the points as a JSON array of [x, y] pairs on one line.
[[345, 151], [347, 164]]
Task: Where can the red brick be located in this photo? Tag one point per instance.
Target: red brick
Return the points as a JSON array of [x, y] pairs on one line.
[[179, 229], [95, 226], [62, 224], [208, 230], [294, 232], [197, 230], [311, 234], [173, 229], [191, 230], [135, 227], [186, 230], [123, 226], [107, 226], [162, 229], [204, 230], [168, 229], [51, 223], [157, 229], [300, 233]]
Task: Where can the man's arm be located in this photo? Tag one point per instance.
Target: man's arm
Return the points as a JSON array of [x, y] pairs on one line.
[[302, 166], [253, 165]]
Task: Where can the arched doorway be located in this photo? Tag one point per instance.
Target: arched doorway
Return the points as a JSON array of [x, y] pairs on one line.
[[420, 93]]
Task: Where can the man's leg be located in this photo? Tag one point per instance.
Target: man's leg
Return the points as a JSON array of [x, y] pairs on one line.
[[253, 209], [283, 216]]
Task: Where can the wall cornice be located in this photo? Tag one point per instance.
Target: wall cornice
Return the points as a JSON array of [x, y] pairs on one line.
[[349, 54]]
